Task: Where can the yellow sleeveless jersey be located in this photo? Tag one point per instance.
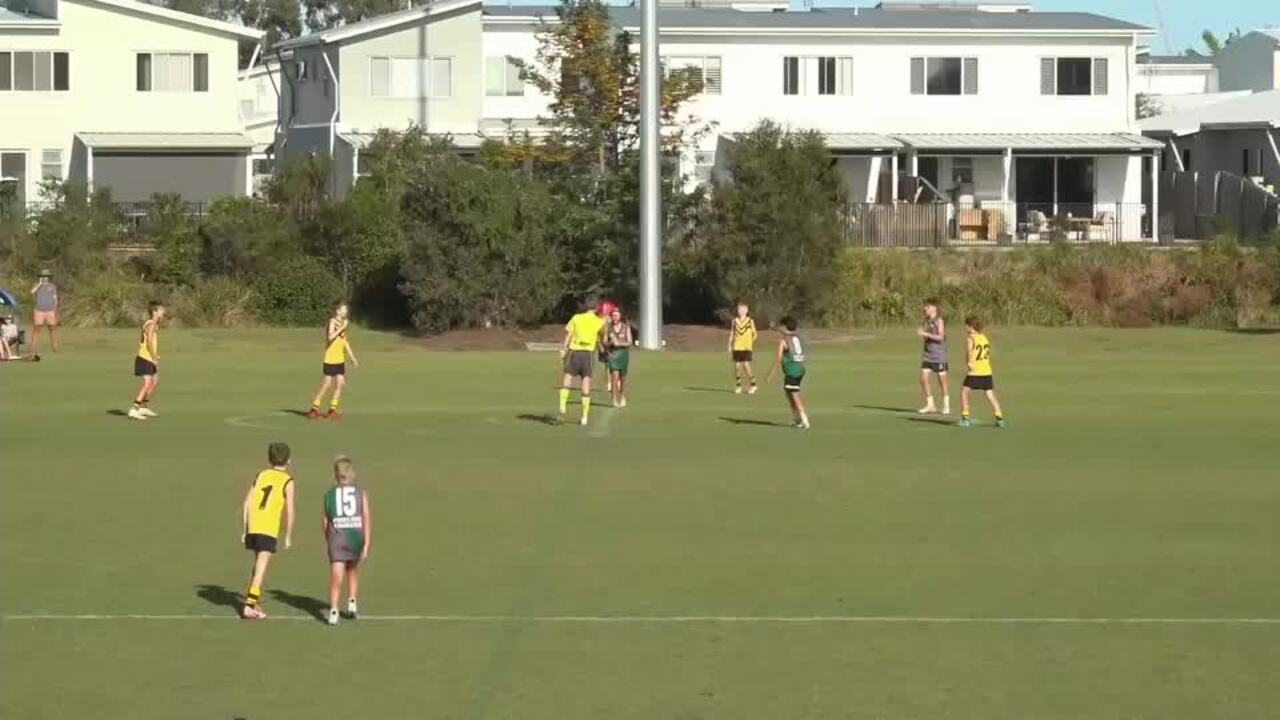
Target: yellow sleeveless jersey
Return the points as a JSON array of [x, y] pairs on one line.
[[744, 334], [980, 355], [586, 327], [143, 351], [266, 506], [335, 351]]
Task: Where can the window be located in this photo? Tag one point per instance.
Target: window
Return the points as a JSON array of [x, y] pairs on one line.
[[705, 69], [1073, 76], [1186, 159], [13, 168], [300, 71], [817, 76], [944, 76], [962, 171], [502, 78], [35, 71], [790, 76], [411, 77], [1251, 162], [704, 163], [51, 165], [172, 72]]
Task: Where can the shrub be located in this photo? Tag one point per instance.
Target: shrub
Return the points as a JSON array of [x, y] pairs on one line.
[[176, 259], [112, 297], [300, 292], [245, 238], [213, 302]]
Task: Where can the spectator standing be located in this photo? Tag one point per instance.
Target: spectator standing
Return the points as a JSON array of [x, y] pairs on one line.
[[46, 310]]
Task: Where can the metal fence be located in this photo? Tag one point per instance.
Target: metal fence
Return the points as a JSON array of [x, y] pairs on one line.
[[995, 223], [1207, 204]]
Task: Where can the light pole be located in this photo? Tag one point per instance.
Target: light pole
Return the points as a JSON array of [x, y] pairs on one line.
[[650, 181]]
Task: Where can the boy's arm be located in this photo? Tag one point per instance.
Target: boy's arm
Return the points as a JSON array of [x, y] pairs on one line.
[[368, 526], [968, 348], [942, 331], [777, 361], [568, 339], [351, 353], [151, 343], [288, 509]]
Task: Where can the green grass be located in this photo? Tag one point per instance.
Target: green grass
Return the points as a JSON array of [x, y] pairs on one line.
[[1137, 479]]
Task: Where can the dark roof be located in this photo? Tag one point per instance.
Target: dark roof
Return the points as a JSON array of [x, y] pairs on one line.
[[849, 18]]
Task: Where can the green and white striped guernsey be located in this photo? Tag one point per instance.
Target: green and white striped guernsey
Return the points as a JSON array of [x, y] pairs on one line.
[[344, 506], [793, 355]]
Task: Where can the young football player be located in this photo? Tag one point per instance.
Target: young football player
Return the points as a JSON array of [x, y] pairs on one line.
[[742, 342], [933, 358], [337, 349], [267, 505], [146, 364], [980, 376], [348, 534], [791, 360]]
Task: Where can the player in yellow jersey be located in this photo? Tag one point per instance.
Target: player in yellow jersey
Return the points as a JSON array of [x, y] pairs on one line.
[[742, 343], [980, 377], [337, 348], [146, 364], [268, 502], [582, 337]]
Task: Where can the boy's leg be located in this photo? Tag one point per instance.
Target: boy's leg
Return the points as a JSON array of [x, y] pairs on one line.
[[253, 595], [964, 405], [995, 405], [751, 376], [334, 400], [335, 584], [566, 385], [926, 390], [353, 582], [586, 397], [945, 385], [319, 396], [798, 401]]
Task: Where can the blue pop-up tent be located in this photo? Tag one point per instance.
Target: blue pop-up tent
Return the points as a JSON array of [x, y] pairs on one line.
[[8, 299]]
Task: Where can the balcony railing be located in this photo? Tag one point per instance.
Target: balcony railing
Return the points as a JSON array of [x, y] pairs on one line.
[[997, 223]]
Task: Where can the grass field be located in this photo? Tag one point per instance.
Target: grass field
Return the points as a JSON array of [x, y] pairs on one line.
[[1110, 554]]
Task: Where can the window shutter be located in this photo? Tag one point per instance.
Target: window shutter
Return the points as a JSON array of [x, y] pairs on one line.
[[845, 76], [43, 70], [917, 76], [200, 83], [1099, 76], [6, 71], [515, 86], [971, 76], [790, 76], [144, 72], [1048, 76], [379, 77], [711, 76]]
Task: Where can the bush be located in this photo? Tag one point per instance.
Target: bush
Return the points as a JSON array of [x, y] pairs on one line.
[[482, 247], [112, 298], [301, 292], [244, 238], [213, 302], [176, 259]]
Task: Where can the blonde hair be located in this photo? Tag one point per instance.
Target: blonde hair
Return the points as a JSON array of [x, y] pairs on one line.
[[344, 471]]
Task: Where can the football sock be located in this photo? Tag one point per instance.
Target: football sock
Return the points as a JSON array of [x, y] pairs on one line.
[[964, 415], [333, 405], [315, 402], [999, 416], [564, 400], [252, 595], [586, 406]]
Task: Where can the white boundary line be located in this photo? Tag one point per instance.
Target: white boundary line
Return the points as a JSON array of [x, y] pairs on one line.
[[685, 619]]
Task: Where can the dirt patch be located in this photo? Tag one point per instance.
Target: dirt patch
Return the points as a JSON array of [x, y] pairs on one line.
[[681, 338]]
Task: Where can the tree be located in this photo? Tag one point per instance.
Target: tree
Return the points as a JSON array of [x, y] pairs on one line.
[[771, 231], [1213, 45], [1148, 106]]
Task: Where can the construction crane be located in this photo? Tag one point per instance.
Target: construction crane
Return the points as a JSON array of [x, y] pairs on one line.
[[1164, 31]]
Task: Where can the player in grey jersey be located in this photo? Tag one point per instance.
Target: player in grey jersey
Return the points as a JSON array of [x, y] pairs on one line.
[[933, 360]]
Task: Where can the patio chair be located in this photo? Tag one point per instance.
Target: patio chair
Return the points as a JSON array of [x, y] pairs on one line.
[[1103, 227], [1035, 226]]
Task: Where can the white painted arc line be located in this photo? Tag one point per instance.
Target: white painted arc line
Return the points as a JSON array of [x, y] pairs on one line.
[[686, 619]]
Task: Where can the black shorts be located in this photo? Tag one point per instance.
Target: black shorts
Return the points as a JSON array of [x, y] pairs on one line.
[[335, 369], [258, 542], [741, 356], [980, 382], [579, 363], [933, 367], [143, 367], [791, 383]]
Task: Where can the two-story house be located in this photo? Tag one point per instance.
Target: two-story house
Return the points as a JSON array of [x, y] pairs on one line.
[[991, 104], [122, 95]]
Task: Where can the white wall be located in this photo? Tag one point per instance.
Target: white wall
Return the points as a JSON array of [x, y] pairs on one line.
[[456, 36], [1176, 79], [519, 43], [103, 94], [1249, 63]]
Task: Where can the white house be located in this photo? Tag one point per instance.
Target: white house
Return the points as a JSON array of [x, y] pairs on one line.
[[121, 94], [1175, 74], [1240, 136], [1014, 113], [1251, 62]]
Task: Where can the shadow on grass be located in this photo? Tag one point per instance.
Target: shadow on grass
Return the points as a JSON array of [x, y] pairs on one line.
[[545, 418], [1254, 331], [117, 413], [751, 421], [931, 420], [886, 408], [696, 388], [294, 411], [218, 595], [315, 607]]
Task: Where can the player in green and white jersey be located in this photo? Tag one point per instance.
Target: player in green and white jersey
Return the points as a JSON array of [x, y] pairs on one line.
[[791, 360], [348, 533]]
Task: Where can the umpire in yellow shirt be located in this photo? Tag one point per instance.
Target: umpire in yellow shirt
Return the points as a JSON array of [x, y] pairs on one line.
[[582, 337]]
